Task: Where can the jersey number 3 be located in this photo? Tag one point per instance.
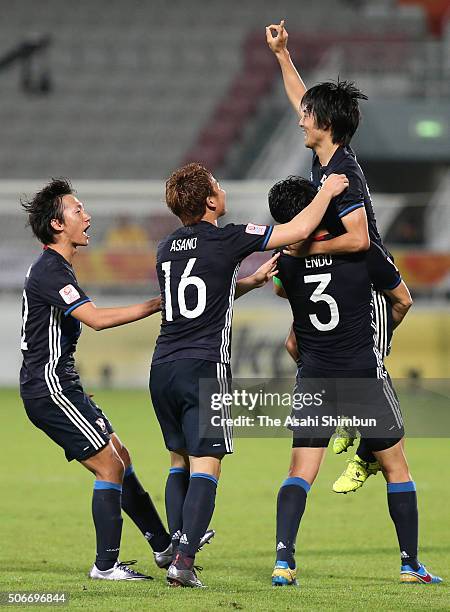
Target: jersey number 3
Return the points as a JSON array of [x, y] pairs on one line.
[[318, 295], [185, 281]]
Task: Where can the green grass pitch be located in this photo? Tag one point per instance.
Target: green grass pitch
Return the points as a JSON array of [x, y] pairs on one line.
[[347, 550]]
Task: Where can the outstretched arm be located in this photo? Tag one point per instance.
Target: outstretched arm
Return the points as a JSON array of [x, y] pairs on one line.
[[259, 278], [355, 239], [104, 318], [293, 84]]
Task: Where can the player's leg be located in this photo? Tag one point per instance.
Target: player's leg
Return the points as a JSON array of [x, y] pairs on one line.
[[137, 503], [401, 490], [176, 489], [167, 406], [307, 456], [69, 419], [175, 393], [358, 469], [206, 442], [364, 464], [108, 469], [177, 485], [199, 502], [402, 503], [345, 437], [198, 510]]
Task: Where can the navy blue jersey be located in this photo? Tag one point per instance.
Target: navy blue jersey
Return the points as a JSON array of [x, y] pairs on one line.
[[356, 196], [383, 272], [197, 269], [49, 333], [331, 301], [384, 276]]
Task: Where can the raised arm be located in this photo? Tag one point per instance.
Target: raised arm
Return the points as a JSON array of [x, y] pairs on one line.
[[104, 318], [277, 37], [303, 224]]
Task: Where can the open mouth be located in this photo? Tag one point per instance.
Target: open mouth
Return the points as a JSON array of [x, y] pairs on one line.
[[85, 233]]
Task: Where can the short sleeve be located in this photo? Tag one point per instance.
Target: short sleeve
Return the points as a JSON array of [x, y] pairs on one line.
[[242, 240], [382, 271], [60, 289], [352, 198]]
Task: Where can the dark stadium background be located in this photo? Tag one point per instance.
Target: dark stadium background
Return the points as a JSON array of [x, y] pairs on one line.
[[115, 94]]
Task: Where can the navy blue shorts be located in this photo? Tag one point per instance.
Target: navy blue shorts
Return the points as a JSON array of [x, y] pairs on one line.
[[72, 420], [181, 393], [365, 397]]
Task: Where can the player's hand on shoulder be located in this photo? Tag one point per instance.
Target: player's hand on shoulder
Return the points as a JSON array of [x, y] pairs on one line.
[[335, 184], [266, 272], [277, 43], [300, 249]]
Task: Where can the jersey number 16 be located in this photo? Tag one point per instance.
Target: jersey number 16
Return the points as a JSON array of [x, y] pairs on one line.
[[185, 281]]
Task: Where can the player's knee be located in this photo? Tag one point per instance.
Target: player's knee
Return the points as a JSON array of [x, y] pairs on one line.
[[308, 473], [112, 468], [125, 456], [393, 461], [397, 473], [117, 469]]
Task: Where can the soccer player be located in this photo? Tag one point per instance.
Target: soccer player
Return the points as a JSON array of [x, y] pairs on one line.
[[331, 302], [197, 269], [329, 116], [286, 199], [53, 308]]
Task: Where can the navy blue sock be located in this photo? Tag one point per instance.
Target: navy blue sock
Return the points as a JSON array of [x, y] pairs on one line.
[[291, 504], [197, 511], [108, 522], [137, 503], [402, 502], [364, 452], [176, 488]]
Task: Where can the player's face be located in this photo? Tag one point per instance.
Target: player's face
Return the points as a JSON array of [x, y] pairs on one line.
[[219, 198], [313, 135], [76, 221]]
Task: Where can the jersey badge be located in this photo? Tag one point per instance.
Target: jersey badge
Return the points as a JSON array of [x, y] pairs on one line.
[[259, 230], [69, 294], [101, 424]]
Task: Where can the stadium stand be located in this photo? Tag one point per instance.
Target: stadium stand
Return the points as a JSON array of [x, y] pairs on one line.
[[132, 89]]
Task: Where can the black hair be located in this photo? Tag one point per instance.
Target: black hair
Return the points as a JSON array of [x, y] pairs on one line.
[[46, 205], [335, 106], [290, 196]]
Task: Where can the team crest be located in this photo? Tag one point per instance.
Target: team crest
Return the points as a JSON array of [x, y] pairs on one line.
[[101, 424]]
